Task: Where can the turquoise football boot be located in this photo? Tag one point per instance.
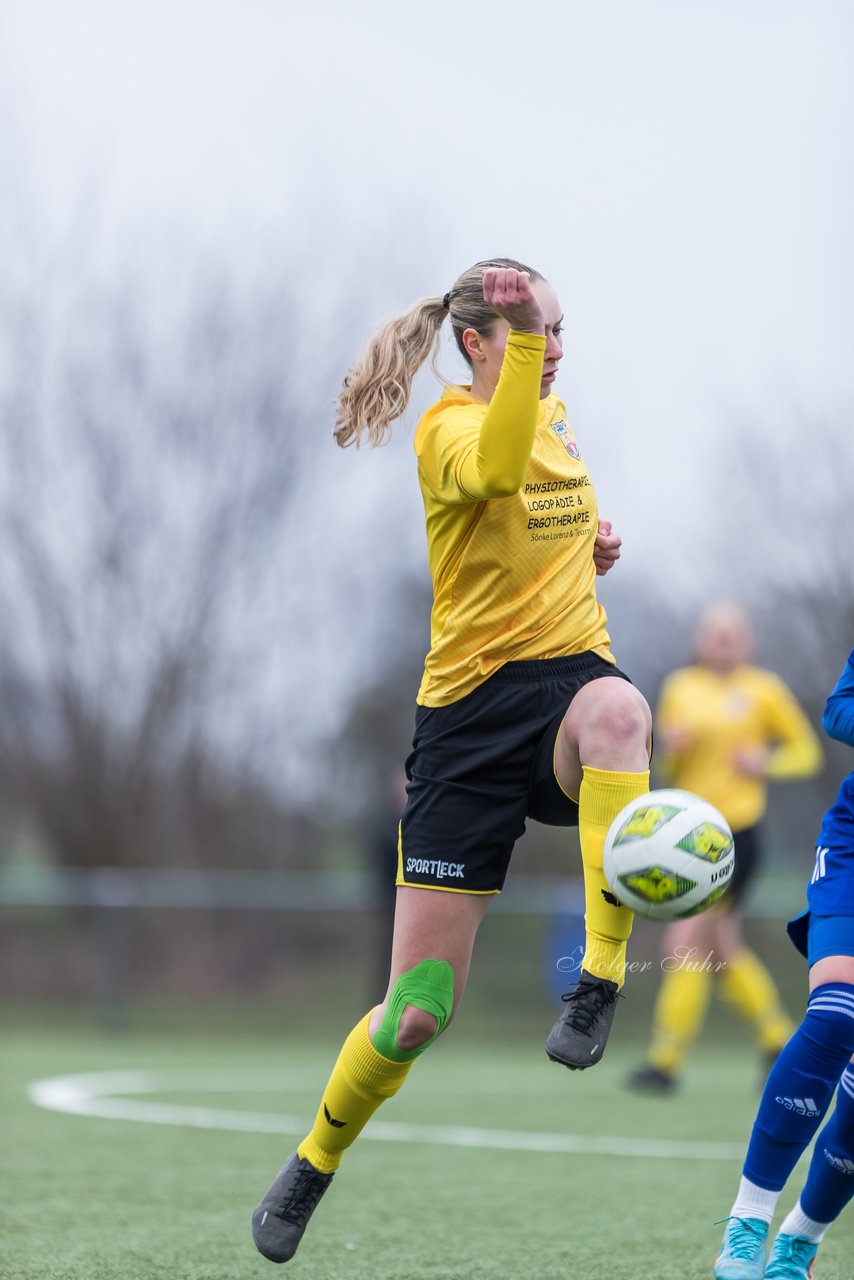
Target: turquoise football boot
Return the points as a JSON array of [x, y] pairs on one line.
[[742, 1255], [791, 1258]]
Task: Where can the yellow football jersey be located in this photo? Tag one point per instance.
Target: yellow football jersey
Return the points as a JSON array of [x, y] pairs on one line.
[[513, 575], [720, 713]]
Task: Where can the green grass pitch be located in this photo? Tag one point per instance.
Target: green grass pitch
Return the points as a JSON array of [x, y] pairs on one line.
[[118, 1199]]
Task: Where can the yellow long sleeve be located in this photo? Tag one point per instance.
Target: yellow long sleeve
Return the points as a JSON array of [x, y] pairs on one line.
[[798, 753], [495, 467]]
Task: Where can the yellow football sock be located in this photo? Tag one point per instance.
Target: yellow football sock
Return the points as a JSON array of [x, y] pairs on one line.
[[361, 1081], [603, 794], [748, 985], [680, 1010]]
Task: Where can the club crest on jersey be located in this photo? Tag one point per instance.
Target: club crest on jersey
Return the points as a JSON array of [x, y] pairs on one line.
[[566, 438]]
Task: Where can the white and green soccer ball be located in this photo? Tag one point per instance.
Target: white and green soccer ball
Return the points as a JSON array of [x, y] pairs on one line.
[[669, 854]]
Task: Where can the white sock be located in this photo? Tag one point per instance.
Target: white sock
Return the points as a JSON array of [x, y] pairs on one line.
[[754, 1202], [798, 1224]]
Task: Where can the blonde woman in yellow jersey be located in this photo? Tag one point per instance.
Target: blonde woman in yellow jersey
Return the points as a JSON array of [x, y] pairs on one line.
[[522, 711], [727, 729]]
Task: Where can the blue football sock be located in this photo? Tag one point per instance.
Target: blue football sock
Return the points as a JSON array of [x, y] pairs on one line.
[[830, 1183], [800, 1086]]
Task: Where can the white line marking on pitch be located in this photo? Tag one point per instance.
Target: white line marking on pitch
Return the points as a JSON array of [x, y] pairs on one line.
[[103, 1094]]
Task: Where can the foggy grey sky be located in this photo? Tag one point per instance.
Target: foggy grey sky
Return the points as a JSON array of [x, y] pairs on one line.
[[680, 169]]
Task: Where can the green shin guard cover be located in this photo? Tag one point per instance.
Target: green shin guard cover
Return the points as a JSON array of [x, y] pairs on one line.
[[428, 986]]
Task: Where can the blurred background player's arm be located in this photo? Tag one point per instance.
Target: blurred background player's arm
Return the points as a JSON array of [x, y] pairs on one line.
[[795, 751], [838, 718]]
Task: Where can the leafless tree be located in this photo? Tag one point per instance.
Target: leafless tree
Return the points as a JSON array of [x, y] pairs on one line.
[[783, 523], [146, 463], [772, 526]]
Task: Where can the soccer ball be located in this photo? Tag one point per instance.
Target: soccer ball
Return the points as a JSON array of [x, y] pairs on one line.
[[669, 854]]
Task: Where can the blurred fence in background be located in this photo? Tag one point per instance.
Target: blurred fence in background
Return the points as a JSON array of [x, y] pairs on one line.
[[99, 942]]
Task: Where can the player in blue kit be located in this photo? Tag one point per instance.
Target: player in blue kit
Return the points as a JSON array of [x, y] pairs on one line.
[[817, 1059]]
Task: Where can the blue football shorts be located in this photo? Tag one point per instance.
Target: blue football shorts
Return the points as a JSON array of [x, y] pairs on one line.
[[818, 937]]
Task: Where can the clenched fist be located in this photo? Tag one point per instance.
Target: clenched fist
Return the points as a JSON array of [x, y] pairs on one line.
[[606, 548], [509, 293]]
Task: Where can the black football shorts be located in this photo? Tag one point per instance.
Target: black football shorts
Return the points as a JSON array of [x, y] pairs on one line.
[[482, 765], [748, 857]]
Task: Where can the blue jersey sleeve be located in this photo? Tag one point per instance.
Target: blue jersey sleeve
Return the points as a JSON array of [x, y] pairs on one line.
[[838, 718]]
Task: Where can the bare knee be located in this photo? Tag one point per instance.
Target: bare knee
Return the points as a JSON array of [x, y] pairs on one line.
[[417, 1028], [684, 933], [620, 721], [416, 1009], [610, 725]]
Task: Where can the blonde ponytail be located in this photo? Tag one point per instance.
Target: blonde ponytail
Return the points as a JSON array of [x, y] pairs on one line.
[[376, 390]]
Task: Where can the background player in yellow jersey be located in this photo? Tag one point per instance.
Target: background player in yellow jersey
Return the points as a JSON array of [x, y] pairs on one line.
[[727, 729], [521, 712]]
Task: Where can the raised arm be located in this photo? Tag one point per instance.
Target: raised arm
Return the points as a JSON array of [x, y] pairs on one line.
[[495, 467]]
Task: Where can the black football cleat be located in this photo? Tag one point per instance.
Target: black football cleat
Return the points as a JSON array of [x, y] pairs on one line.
[[578, 1038], [281, 1218], [650, 1079]]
